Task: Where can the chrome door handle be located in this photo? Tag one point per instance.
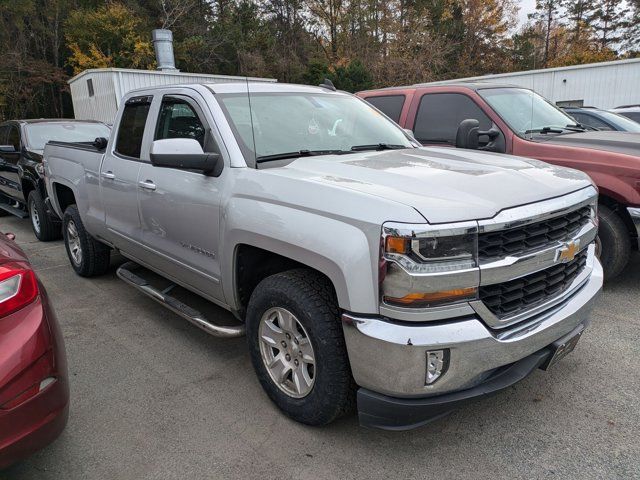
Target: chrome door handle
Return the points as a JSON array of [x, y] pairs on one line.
[[108, 174], [147, 185]]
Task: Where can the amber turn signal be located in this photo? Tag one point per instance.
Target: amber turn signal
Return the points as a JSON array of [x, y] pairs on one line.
[[396, 245], [418, 299]]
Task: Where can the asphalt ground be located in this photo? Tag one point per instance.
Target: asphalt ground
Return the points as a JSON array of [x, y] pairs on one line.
[[153, 397]]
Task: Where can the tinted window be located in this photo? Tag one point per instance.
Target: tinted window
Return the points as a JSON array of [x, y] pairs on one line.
[[390, 105], [590, 120], [439, 115], [179, 120], [131, 128], [14, 137], [3, 134]]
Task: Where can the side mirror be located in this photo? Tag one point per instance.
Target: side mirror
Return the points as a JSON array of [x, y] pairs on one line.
[[184, 153], [100, 143], [8, 149], [468, 134]]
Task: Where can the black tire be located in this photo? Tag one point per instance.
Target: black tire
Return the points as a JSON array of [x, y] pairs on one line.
[[310, 297], [615, 240], [93, 256], [43, 226]]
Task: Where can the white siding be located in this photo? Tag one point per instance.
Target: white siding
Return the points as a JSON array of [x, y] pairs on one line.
[[603, 85], [111, 84], [103, 105]]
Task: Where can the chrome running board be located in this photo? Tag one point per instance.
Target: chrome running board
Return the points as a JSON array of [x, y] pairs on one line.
[[132, 273]]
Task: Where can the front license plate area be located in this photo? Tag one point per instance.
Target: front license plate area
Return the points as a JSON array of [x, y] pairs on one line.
[[562, 348]]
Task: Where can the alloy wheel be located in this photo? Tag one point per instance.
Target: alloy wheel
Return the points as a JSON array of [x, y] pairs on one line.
[[287, 352], [73, 240]]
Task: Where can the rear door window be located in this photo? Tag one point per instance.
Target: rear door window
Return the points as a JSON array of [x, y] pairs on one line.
[[390, 105], [132, 124], [440, 114]]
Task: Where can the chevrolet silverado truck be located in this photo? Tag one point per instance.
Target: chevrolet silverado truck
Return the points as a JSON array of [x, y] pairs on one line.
[[364, 269], [518, 121], [22, 190]]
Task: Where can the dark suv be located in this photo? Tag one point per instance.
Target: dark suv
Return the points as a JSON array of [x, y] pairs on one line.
[[602, 119], [22, 190]]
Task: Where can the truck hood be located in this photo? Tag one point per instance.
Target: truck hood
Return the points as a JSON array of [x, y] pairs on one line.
[[619, 142], [442, 184]]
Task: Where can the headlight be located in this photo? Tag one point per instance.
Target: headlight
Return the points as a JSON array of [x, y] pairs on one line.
[[429, 265], [40, 168]]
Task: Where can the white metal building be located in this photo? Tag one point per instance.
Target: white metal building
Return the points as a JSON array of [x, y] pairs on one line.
[[96, 93], [603, 85]]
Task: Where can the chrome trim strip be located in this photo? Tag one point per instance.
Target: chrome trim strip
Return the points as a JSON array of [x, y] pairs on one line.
[[513, 267], [494, 322], [537, 212], [426, 314], [423, 230]]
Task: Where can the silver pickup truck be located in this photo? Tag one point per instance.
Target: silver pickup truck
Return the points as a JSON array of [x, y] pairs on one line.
[[365, 270]]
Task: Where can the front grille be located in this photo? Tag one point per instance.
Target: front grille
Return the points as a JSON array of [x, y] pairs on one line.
[[515, 296], [529, 237]]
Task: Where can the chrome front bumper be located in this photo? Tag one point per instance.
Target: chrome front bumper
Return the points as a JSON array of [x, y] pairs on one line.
[[389, 357], [635, 217]]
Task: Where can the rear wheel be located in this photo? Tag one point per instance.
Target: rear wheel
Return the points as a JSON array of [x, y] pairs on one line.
[[43, 226], [297, 346], [615, 240], [88, 256]]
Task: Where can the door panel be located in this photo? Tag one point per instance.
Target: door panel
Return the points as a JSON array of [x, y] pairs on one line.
[[180, 209], [118, 181], [180, 222], [119, 177]]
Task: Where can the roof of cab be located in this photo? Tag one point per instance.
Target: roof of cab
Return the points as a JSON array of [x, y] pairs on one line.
[[241, 87], [28, 121], [447, 83]]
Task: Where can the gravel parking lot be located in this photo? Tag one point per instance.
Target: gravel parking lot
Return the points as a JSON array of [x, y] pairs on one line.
[[156, 398]]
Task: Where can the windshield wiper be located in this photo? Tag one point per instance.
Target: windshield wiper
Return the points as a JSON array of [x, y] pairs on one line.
[[298, 154], [546, 130], [576, 127], [377, 146]]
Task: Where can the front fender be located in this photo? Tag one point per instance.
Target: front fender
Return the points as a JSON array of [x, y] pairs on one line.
[[340, 250]]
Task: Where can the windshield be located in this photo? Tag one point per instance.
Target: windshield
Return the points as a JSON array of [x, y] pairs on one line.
[[525, 111], [38, 134], [619, 121], [284, 123]]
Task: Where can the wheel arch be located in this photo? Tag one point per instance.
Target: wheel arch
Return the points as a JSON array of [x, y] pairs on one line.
[[620, 209]]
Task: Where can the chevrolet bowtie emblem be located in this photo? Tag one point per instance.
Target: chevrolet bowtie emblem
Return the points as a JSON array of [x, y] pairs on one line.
[[567, 252]]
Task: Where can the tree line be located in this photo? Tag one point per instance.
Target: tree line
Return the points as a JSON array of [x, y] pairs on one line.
[[358, 45]]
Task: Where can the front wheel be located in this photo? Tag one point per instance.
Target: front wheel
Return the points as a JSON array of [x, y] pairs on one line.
[[297, 346], [44, 228], [615, 242], [88, 257]]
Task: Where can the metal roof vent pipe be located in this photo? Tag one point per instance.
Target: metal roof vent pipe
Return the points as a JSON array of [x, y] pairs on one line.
[[163, 45]]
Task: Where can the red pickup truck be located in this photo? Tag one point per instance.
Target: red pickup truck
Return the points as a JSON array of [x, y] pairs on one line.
[[518, 121]]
